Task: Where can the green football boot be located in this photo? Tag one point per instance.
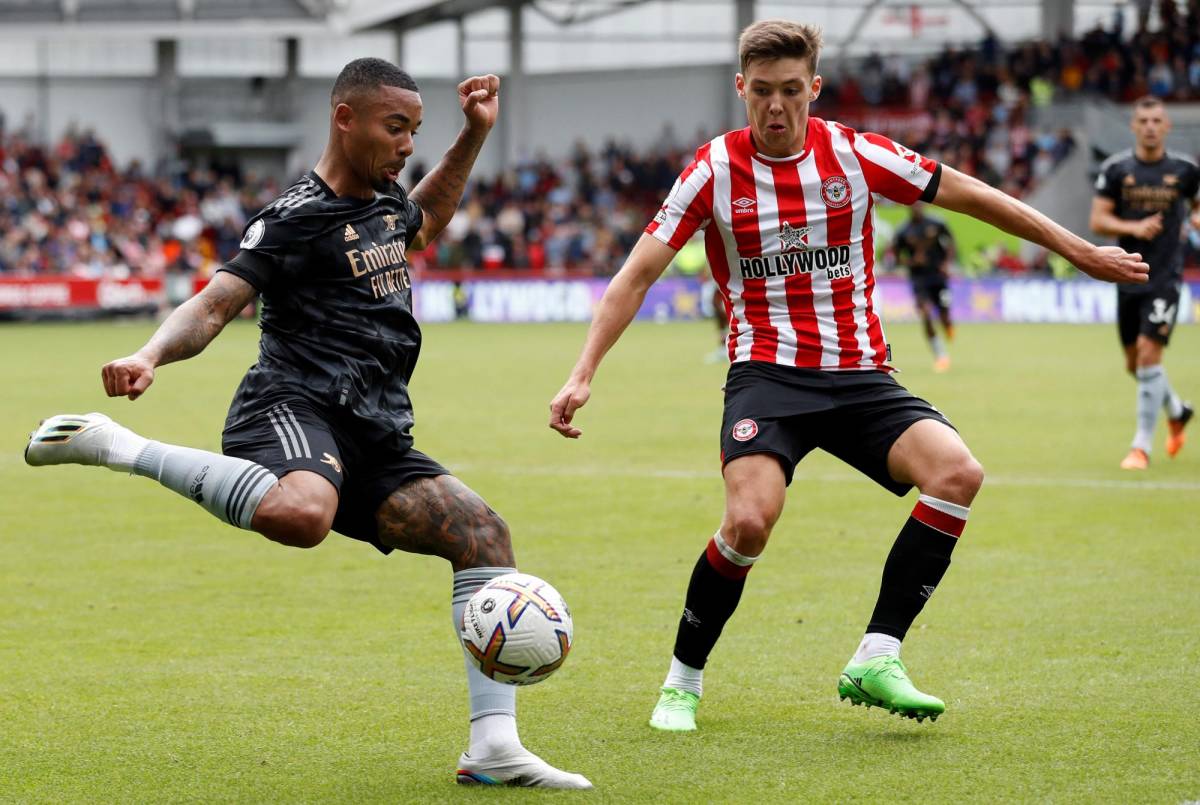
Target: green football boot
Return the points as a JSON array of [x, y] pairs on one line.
[[675, 711], [883, 682]]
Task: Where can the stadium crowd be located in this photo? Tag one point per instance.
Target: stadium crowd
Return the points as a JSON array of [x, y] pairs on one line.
[[68, 209]]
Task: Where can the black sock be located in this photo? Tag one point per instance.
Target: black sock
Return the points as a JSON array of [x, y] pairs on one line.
[[712, 596], [917, 562]]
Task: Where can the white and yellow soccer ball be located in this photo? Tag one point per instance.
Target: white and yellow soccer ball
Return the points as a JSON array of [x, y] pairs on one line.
[[517, 629]]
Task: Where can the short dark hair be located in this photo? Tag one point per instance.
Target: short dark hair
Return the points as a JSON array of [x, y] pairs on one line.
[[1148, 102], [362, 75], [768, 40]]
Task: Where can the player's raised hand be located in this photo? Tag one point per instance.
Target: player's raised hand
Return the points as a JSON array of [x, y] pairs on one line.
[[573, 396], [1114, 264], [479, 97], [127, 377]]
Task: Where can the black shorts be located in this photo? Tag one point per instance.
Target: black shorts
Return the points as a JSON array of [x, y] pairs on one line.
[[933, 291], [1150, 314], [288, 433], [856, 416]]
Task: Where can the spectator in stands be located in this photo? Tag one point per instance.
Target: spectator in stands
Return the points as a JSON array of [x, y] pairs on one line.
[[68, 209]]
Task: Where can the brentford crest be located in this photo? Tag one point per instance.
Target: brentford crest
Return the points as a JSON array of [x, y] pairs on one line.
[[745, 430], [836, 191]]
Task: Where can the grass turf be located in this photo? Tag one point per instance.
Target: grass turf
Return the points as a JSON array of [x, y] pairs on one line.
[[149, 653]]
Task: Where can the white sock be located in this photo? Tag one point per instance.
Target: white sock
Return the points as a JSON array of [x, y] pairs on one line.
[[1151, 394], [685, 677], [875, 644], [229, 488], [938, 346], [493, 704], [489, 733], [1172, 402]]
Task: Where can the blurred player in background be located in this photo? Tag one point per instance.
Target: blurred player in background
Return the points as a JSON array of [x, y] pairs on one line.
[[1142, 198], [925, 246], [787, 211], [692, 261], [318, 435]]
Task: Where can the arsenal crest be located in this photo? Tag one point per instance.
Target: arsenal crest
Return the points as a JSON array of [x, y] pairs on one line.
[[836, 191]]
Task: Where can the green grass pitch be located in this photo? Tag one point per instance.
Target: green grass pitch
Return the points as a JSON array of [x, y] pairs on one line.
[[149, 653]]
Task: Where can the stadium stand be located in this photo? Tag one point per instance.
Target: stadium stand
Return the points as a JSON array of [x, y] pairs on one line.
[[70, 210]]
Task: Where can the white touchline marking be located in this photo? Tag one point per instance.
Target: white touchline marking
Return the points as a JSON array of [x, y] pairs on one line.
[[714, 474]]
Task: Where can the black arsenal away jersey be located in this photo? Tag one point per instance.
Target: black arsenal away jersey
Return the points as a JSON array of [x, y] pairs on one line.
[[1141, 189], [923, 246], [337, 322]]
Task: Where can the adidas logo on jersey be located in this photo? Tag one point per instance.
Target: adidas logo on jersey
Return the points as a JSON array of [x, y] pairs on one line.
[[350, 234]]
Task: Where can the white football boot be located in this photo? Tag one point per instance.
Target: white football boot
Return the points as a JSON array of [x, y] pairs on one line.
[[90, 439], [518, 767]]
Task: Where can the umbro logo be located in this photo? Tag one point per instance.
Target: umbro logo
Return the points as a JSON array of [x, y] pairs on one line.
[[350, 234], [743, 205]]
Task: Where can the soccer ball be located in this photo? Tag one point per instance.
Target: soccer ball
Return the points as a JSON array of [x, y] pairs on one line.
[[517, 629]]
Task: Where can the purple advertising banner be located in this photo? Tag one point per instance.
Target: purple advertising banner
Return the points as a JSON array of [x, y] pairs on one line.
[[680, 299]]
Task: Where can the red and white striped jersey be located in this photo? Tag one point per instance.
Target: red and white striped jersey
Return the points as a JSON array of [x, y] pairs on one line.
[[791, 240]]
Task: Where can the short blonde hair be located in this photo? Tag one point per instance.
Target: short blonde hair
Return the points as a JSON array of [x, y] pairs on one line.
[[768, 40]]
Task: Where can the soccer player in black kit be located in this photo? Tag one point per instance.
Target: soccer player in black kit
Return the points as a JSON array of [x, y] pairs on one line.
[[318, 435], [926, 247], [1142, 199]]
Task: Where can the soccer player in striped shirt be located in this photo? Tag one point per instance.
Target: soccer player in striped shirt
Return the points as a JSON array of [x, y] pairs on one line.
[[787, 213]]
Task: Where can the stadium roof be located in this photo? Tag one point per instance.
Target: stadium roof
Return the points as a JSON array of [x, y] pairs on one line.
[[558, 34], [162, 17]]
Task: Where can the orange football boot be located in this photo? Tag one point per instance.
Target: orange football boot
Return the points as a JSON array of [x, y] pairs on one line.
[[1136, 460], [1175, 435]]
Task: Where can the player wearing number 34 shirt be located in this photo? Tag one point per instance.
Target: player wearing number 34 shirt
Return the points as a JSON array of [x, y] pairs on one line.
[[1143, 197]]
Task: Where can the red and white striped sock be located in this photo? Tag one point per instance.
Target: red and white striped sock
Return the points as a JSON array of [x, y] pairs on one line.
[[725, 560], [949, 518]]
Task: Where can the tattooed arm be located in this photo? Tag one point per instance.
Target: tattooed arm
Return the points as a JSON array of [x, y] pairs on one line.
[[186, 332], [439, 193]]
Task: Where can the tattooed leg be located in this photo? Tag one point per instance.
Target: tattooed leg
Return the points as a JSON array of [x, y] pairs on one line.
[[441, 516]]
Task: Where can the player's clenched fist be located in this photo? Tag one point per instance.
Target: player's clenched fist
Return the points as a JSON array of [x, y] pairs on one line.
[[127, 377], [1114, 264], [479, 98], [573, 396]]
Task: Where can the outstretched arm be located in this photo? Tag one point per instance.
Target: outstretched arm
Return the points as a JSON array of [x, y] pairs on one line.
[[439, 193], [620, 303], [965, 194], [186, 332]]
